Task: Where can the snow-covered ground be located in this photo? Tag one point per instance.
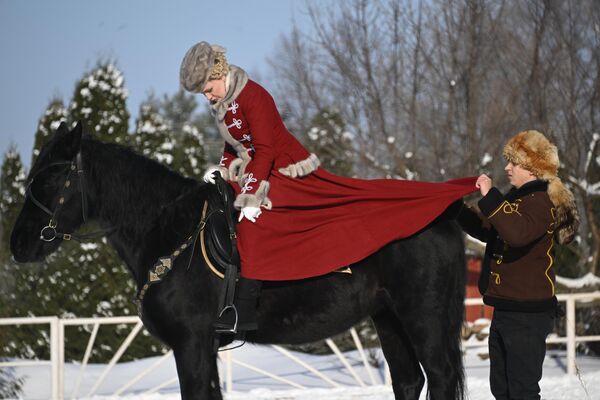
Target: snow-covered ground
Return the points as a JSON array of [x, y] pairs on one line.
[[250, 385]]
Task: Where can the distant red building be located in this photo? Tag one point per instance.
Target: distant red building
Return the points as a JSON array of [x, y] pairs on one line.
[[473, 269]]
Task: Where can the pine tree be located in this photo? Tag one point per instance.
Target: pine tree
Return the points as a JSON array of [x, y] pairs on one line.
[[10, 386], [328, 139], [79, 279], [12, 178], [97, 282], [170, 132], [12, 194], [152, 136], [99, 102], [187, 127], [190, 158], [179, 109], [47, 125]]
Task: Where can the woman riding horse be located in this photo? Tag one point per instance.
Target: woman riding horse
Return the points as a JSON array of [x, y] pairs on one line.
[[412, 289], [296, 219]]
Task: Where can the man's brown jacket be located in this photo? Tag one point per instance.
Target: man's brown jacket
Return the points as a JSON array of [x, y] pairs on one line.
[[517, 271]]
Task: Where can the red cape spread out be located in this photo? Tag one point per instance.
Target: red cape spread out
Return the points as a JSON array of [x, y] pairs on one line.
[[323, 222]]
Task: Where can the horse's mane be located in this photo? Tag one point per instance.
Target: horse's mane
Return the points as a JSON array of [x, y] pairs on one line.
[[135, 189]]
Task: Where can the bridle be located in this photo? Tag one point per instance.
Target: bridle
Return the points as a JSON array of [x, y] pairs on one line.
[[49, 232]]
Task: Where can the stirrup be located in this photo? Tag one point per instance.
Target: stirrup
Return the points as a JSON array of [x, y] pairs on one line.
[[222, 328]]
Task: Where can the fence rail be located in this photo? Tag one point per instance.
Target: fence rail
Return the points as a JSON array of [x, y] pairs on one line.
[[57, 350]]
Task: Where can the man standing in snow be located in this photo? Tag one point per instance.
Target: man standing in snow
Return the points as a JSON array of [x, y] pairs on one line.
[[517, 277]]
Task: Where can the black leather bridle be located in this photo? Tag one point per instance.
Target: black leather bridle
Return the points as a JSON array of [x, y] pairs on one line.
[[49, 232]]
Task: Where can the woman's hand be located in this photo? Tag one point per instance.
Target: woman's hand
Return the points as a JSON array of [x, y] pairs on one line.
[[208, 175], [251, 213], [484, 184]]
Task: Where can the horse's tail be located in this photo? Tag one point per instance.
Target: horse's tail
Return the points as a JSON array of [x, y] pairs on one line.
[[456, 309]]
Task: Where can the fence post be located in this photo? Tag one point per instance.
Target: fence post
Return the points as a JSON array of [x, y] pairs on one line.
[[571, 344], [61, 359], [55, 346]]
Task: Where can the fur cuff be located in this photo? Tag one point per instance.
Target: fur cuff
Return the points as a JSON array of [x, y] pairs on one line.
[[237, 167], [258, 199], [301, 168]]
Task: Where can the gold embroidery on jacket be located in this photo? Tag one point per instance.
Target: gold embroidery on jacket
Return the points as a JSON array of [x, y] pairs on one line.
[[507, 208], [550, 264], [498, 209], [550, 232], [496, 276], [510, 208], [551, 227]]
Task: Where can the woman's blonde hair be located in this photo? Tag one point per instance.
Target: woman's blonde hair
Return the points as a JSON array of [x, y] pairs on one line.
[[220, 67]]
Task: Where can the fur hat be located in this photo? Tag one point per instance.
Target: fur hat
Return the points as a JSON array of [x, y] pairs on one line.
[[201, 63], [535, 153]]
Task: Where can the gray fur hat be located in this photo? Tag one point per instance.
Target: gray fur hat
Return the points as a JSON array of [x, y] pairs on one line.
[[197, 65]]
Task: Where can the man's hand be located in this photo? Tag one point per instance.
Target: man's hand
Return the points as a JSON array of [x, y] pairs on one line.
[[484, 184]]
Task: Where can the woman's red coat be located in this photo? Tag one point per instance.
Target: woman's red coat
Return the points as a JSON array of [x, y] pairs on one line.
[[320, 222]]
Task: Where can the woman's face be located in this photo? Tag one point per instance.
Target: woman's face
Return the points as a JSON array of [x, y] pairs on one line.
[[214, 90], [517, 175]]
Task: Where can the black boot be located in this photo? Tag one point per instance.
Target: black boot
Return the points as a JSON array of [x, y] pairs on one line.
[[242, 316]]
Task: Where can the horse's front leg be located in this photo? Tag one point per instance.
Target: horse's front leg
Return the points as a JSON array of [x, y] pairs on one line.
[[197, 369]]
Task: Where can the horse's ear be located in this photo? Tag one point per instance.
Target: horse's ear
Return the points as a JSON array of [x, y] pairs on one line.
[[69, 140], [62, 129], [77, 133]]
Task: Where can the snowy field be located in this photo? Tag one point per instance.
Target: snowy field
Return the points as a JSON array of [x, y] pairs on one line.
[[249, 385]]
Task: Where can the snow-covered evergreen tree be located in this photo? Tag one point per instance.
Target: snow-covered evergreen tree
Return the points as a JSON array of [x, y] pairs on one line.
[[103, 285], [179, 109], [152, 136], [56, 113], [10, 386], [79, 279], [170, 132], [12, 194], [12, 177], [328, 139], [99, 101], [190, 158], [187, 127]]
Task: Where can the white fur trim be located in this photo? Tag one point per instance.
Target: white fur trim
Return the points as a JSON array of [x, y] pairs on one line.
[[302, 168], [258, 199], [224, 172], [241, 172]]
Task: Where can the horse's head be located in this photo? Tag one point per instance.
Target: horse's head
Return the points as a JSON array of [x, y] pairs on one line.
[[53, 203]]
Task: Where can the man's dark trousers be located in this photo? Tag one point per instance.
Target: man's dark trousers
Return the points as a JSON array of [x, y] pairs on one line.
[[517, 347]]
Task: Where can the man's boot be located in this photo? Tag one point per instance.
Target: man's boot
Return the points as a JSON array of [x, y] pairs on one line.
[[241, 317]]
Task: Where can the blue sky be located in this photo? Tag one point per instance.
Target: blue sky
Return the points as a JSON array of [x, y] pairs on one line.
[[47, 46]]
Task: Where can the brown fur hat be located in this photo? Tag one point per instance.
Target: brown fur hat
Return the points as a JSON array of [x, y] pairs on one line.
[[534, 152]]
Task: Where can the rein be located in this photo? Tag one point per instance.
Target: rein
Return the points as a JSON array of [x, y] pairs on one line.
[[49, 232], [163, 266]]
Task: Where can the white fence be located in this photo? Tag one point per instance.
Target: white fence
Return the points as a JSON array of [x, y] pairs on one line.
[[57, 351]]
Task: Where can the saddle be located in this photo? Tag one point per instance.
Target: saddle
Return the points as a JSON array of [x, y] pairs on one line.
[[219, 245], [219, 236]]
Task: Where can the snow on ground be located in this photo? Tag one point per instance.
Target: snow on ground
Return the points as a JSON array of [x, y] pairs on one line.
[[250, 385]]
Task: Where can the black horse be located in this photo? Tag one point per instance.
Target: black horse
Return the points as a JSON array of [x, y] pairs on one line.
[[413, 289]]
